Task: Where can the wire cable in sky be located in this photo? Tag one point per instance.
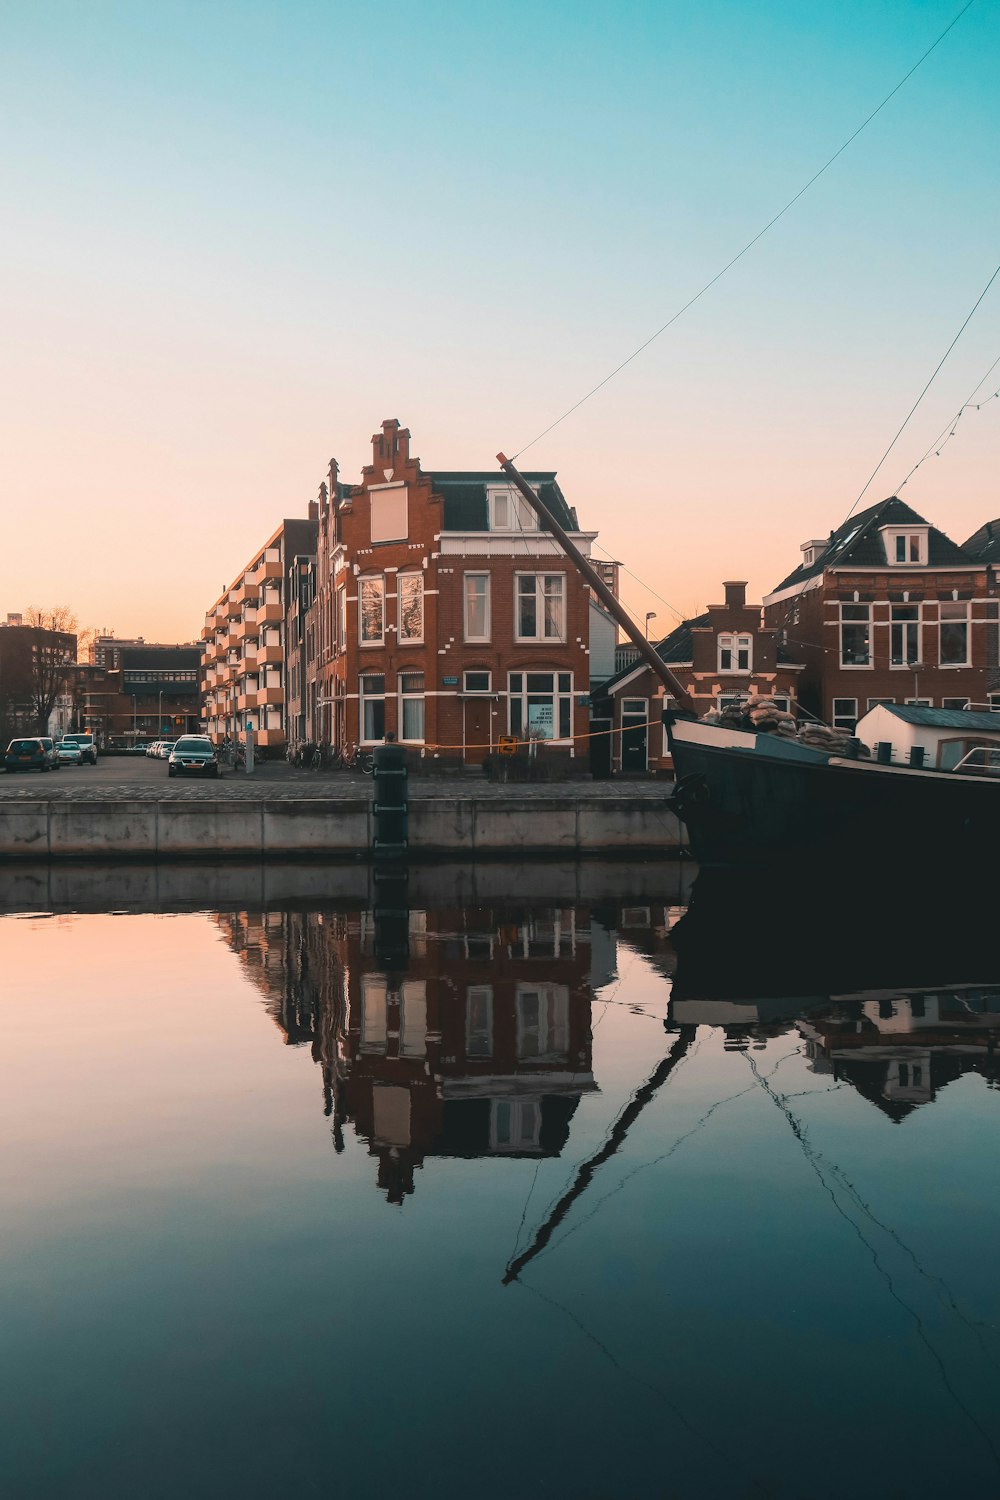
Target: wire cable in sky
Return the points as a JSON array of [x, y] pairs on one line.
[[923, 393], [750, 243], [969, 403]]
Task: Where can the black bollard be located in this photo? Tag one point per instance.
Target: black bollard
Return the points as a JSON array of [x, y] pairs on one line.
[[390, 808]]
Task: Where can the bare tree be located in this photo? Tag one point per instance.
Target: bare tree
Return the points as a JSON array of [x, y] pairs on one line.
[[49, 659]]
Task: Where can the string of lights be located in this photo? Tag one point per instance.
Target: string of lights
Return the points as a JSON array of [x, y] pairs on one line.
[[950, 428]]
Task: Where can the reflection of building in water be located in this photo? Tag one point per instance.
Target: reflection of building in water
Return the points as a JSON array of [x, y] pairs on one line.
[[898, 1050], [466, 1034]]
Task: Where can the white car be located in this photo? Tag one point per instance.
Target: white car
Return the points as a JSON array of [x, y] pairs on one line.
[[68, 753], [154, 749], [88, 749]]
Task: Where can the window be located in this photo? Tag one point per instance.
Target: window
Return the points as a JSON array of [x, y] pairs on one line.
[[477, 606], [342, 618], [855, 634], [541, 705], [411, 606], [411, 706], [954, 702], [954, 651], [389, 513], [413, 1018], [509, 511], [730, 700], [479, 1021], [845, 713], [374, 1018], [371, 594], [735, 653], [879, 703], [994, 703], [371, 691], [541, 606], [515, 1124], [920, 702], [904, 632], [478, 682], [906, 547], [543, 1022]]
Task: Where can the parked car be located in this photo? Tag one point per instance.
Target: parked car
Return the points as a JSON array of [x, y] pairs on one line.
[[153, 749], [163, 753], [50, 746], [88, 747], [28, 755], [193, 754], [69, 753]]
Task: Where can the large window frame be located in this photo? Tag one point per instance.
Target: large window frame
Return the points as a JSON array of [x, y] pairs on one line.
[[533, 705], [537, 603], [470, 600], [410, 630], [509, 511], [735, 652], [412, 719], [845, 714], [371, 609], [953, 627], [856, 637], [904, 635], [371, 708]]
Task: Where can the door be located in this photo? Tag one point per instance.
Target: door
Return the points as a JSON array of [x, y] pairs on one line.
[[635, 714]]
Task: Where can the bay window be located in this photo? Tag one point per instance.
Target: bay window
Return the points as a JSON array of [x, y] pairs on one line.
[[371, 694], [477, 606], [540, 606], [411, 706], [411, 606], [540, 705], [954, 628], [371, 609], [904, 632]]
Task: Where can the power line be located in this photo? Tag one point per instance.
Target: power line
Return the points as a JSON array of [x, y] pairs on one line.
[[969, 402], [923, 393], [750, 243]]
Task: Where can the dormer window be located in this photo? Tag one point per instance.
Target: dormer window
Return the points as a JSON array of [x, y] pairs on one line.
[[735, 653], [906, 546], [509, 511]]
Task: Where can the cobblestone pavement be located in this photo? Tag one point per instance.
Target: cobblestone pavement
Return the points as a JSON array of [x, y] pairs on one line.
[[116, 777]]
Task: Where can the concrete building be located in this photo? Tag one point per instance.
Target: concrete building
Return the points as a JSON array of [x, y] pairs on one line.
[[152, 692], [244, 661], [444, 616], [888, 609]]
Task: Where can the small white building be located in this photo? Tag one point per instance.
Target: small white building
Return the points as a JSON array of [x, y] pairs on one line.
[[945, 735]]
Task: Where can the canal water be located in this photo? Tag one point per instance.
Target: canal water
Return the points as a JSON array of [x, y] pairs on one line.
[[522, 1197]]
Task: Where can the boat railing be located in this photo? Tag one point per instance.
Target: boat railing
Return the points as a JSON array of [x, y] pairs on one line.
[[984, 760]]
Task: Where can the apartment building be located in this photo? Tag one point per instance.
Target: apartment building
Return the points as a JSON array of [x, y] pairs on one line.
[[151, 692], [244, 666], [886, 610], [444, 615]]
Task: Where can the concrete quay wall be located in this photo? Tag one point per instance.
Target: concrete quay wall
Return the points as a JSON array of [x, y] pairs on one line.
[[567, 825]]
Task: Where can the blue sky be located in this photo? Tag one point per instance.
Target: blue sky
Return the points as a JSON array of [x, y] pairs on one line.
[[237, 236]]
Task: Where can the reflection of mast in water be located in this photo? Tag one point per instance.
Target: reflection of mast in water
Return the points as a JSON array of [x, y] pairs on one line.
[[615, 1140]]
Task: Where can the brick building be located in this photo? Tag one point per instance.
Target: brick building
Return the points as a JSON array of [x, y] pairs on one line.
[[36, 675], [443, 614], [724, 655], [244, 665], [889, 610], [151, 692]]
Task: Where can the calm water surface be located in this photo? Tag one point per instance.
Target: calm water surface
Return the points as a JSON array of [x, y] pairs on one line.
[[479, 1202]]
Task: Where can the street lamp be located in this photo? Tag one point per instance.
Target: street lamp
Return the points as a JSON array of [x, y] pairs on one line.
[[650, 615], [159, 711]]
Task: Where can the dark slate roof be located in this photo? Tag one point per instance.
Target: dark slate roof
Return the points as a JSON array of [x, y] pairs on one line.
[[160, 658], [858, 544], [944, 718], [675, 649], [464, 496], [984, 544]]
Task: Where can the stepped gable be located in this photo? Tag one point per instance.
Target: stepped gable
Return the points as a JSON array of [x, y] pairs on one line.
[[858, 543], [984, 544]]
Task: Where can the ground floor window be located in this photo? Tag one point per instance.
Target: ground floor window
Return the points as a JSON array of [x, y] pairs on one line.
[[845, 713], [372, 696], [411, 702], [541, 705]]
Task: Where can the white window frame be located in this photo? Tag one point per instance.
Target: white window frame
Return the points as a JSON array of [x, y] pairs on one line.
[[366, 579], [487, 599], [342, 618], [374, 1027], [401, 579], [364, 698], [734, 642], [522, 695], [553, 1013], [521, 517], [856, 666], [957, 703], [951, 666], [483, 992], [470, 692], [540, 637], [836, 716], [379, 491], [908, 535], [910, 629], [411, 697]]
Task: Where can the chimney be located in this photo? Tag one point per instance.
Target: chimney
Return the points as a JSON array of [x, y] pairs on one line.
[[314, 510], [736, 595]]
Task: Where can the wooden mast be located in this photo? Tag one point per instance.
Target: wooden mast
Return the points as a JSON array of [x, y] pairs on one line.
[[653, 660]]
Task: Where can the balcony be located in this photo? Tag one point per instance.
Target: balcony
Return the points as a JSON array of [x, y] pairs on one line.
[[246, 700], [268, 567], [270, 613], [270, 696], [270, 655], [233, 605]]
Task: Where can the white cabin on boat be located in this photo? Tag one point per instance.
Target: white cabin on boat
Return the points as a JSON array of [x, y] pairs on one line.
[[941, 737]]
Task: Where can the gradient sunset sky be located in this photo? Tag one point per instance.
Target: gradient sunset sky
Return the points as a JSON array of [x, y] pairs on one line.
[[236, 236]]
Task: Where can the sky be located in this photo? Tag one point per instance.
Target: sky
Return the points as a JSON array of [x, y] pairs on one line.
[[238, 234]]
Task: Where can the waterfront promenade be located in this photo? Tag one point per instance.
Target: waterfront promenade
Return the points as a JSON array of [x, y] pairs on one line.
[[129, 808]]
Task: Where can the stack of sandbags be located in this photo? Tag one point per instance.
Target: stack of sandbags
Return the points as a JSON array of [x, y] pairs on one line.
[[821, 737], [767, 718]]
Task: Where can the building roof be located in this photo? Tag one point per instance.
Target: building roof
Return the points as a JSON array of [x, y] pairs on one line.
[[984, 544], [858, 544], [145, 658], [677, 650], [464, 496], [943, 718]]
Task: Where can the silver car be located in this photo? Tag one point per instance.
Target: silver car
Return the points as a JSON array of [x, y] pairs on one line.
[[193, 755]]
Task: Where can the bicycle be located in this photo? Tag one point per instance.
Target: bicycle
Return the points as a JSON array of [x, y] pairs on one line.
[[352, 758]]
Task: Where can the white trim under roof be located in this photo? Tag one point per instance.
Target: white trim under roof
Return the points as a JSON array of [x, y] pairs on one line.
[[511, 543], [794, 589], [644, 666]]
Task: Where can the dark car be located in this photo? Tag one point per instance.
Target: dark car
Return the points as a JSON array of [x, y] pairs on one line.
[[193, 754], [28, 755]]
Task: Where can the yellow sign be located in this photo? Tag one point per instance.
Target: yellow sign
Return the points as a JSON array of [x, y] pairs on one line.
[[507, 745]]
